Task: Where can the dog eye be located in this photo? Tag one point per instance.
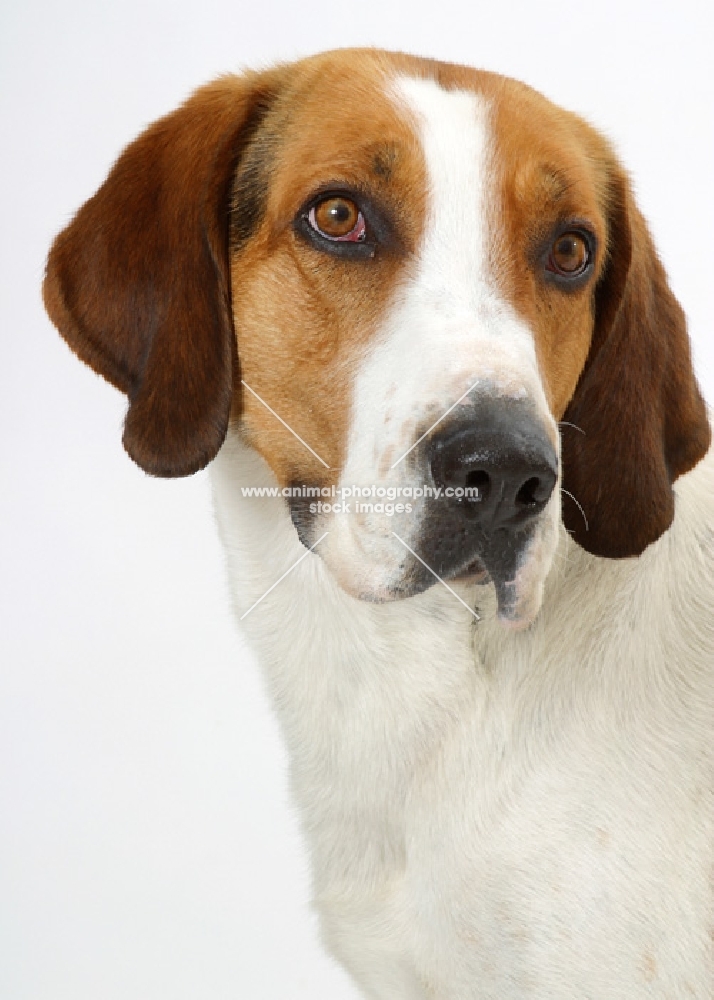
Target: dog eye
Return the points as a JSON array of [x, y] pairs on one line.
[[569, 255], [338, 218]]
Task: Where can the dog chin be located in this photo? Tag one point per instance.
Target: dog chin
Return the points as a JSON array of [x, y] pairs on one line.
[[519, 597]]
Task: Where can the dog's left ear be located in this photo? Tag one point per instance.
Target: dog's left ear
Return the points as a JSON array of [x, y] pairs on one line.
[[138, 283], [640, 416]]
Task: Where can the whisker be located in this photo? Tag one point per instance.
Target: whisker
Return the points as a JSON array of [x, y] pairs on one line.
[[567, 493], [566, 423]]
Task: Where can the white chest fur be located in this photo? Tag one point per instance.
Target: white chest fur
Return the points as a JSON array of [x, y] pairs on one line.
[[494, 814]]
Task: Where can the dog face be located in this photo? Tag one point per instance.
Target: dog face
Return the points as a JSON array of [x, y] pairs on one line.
[[399, 276]]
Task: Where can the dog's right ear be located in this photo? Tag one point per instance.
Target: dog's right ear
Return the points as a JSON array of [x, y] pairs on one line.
[[138, 284]]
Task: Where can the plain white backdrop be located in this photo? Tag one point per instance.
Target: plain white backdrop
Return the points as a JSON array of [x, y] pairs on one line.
[[147, 846]]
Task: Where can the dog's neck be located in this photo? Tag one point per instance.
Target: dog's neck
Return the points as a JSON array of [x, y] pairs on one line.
[[409, 723]]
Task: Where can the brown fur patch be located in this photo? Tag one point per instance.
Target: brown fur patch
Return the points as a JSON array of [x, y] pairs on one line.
[[637, 401], [304, 319], [543, 176], [138, 282]]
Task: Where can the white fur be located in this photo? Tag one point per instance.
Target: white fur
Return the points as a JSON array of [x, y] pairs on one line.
[[491, 815]]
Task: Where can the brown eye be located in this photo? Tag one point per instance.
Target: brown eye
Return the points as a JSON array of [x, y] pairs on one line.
[[569, 255], [338, 218]]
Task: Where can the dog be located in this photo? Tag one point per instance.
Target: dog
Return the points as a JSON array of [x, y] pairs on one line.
[[412, 315]]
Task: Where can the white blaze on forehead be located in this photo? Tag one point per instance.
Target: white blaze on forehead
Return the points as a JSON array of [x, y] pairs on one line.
[[452, 308], [453, 127], [448, 334]]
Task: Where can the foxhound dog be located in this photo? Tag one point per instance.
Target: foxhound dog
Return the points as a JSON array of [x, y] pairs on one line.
[[412, 315]]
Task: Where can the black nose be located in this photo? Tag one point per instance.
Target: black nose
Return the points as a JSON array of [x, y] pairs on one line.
[[500, 468]]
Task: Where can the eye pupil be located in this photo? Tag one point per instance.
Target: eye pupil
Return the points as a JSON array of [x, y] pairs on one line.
[[339, 212]]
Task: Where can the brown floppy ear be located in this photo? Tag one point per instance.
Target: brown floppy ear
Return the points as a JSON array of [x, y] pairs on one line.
[[641, 418], [138, 283]]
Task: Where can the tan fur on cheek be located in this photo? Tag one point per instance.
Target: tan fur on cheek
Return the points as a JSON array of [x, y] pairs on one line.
[[303, 322], [563, 332], [289, 358]]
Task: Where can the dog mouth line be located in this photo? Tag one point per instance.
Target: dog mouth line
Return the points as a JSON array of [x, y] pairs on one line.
[[473, 572]]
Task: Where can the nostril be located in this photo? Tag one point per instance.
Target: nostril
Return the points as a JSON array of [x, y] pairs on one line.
[[478, 488], [530, 494], [480, 481]]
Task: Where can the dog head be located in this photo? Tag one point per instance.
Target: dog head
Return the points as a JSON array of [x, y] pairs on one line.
[[408, 281]]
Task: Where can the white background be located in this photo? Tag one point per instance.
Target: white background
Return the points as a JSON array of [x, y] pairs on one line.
[[147, 847]]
